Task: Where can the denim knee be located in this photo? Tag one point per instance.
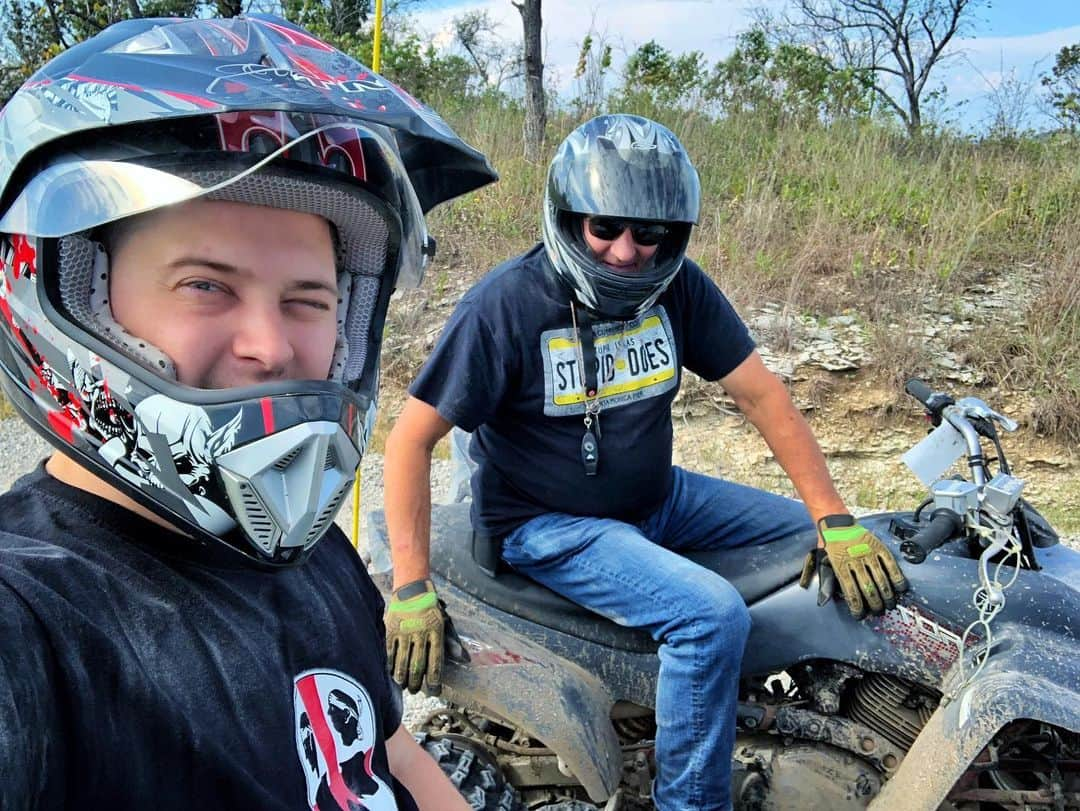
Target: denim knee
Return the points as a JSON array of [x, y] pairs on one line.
[[714, 612]]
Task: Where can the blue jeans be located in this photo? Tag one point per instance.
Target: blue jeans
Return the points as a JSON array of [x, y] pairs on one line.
[[634, 575]]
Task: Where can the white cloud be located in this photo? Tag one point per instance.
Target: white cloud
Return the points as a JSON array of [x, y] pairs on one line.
[[984, 64], [1021, 48]]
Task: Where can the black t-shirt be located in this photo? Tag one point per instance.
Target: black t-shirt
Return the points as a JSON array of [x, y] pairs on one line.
[[137, 672], [507, 366]]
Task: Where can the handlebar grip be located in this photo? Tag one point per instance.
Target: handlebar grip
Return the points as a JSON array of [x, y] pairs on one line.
[[944, 525], [919, 390]]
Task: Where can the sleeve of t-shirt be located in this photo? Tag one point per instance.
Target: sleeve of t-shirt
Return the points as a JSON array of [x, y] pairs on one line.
[[31, 746], [716, 339], [466, 376]]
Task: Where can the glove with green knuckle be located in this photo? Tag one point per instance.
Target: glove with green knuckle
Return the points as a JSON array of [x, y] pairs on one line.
[[417, 632], [864, 567]]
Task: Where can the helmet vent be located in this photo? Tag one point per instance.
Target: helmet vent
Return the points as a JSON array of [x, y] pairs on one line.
[[286, 460], [282, 495], [331, 458], [259, 524], [327, 515]]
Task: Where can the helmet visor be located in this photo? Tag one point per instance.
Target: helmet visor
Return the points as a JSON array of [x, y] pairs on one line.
[[93, 187]]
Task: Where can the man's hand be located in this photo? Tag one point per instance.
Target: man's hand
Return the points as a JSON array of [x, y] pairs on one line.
[[864, 567], [417, 630]]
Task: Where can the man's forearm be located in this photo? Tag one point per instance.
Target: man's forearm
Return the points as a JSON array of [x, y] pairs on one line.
[[421, 775], [407, 482], [792, 442]]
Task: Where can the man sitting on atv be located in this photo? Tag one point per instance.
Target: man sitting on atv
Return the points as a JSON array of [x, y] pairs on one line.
[[564, 363]]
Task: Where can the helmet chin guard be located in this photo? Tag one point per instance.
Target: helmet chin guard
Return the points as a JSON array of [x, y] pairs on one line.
[[286, 488]]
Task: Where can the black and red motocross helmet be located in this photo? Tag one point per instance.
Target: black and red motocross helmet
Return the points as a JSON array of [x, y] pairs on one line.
[[151, 113]]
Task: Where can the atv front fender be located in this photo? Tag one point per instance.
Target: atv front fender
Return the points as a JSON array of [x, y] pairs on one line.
[[550, 698], [1031, 674]]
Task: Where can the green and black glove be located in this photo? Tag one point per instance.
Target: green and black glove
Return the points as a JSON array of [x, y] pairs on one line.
[[418, 632], [864, 567]]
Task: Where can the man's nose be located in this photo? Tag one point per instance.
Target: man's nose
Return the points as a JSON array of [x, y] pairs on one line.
[[623, 248], [261, 336]]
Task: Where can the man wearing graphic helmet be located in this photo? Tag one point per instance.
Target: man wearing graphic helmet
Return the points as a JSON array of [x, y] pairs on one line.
[[201, 224], [564, 363]]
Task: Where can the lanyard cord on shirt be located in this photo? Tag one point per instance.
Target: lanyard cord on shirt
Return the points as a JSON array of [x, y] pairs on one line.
[[586, 351]]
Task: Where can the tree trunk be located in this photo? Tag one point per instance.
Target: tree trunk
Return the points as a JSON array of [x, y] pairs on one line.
[[535, 107], [229, 8]]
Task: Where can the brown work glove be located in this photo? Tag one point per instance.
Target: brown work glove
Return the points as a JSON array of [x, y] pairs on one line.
[[417, 632], [864, 567]]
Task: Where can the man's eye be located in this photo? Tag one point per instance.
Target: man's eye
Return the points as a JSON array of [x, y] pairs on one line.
[[204, 285], [312, 303]]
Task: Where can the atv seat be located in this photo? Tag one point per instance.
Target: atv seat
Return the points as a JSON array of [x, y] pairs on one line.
[[754, 571]]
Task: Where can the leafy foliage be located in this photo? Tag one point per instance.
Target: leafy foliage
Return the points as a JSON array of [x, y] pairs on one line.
[[788, 82], [1063, 84], [654, 74]]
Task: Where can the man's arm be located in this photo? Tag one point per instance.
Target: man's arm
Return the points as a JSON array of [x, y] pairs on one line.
[[764, 400], [421, 775], [416, 624], [407, 483], [864, 567]]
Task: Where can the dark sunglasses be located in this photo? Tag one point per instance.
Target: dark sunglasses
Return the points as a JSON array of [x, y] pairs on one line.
[[610, 228]]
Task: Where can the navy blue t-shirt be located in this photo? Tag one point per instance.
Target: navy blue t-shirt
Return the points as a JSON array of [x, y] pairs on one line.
[[135, 674], [507, 367]]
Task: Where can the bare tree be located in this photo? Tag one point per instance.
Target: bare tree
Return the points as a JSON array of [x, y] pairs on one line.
[[1011, 98], [495, 60], [535, 105], [899, 41]]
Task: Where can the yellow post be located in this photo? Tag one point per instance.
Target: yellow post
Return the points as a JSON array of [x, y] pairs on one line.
[[376, 63], [376, 59], [356, 511]]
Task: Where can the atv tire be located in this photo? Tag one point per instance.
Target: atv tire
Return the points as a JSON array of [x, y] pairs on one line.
[[473, 771]]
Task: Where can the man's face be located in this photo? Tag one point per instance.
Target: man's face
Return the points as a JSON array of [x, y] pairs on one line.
[[622, 253], [235, 294]]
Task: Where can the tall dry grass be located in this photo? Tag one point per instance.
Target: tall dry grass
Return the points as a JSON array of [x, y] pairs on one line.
[[849, 217]]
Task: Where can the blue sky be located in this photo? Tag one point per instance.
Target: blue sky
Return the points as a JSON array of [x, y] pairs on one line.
[[1012, 41]]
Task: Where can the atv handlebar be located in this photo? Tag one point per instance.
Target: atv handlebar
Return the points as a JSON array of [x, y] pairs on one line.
[[919, 390], [944, 524], [935, 401]]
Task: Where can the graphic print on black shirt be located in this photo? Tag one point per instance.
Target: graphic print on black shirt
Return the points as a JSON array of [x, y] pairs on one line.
[[201, 682], [635, 361], [335, 740]]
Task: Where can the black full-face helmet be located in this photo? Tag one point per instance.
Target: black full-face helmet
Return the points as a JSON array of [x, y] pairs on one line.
[[152, 113], [626, 167]]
